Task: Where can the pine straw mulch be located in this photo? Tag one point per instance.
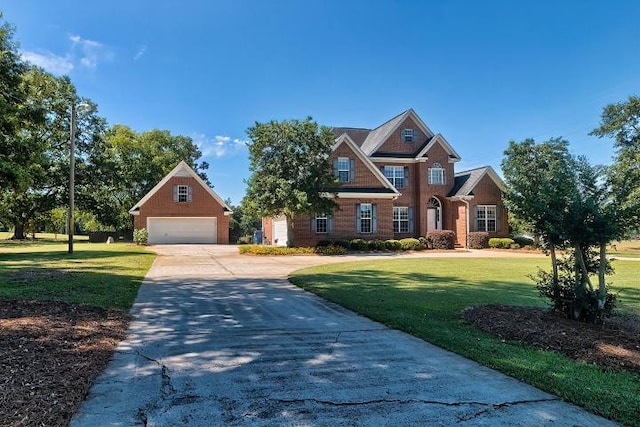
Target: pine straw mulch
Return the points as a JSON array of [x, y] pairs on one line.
[[614, 345], [50, 354]]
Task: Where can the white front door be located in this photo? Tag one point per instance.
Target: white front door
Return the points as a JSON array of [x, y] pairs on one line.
[[434, 221]]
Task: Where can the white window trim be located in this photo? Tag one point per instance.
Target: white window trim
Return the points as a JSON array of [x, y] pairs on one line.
[[437, 171], [486, 209], [183, 193], [368, 219], [393, 178], [399, 220], [345, 162], [318, 219], [408, 135]]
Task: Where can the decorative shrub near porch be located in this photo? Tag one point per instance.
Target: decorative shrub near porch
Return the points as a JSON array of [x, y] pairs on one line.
[[478, 240], [441, 239]]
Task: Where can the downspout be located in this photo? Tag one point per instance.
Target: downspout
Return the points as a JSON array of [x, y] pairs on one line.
[[466, 210]]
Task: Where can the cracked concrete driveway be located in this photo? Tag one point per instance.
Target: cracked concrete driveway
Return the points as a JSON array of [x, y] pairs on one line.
[[223, 339]]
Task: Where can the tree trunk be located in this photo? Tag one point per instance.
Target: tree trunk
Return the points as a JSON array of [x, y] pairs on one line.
[[583, 268], [602, 268], [290, 231], [18, 231], [554, 266]]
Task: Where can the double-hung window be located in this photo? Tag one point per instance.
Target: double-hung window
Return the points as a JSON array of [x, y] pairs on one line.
[[486, 218], [436, 174], [182, 193], [343, 169], [396, 175], [400, 219], [321, 223], [366, 218], [408, 135]]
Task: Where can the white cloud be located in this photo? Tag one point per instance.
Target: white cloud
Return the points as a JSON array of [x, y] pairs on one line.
[[140, 53], [219, 145], [90, 51], [55, 64]]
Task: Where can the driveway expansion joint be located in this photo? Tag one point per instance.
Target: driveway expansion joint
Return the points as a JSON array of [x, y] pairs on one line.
[[413, 401]]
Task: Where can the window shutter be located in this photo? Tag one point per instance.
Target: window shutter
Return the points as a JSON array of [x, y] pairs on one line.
[[374, 218], [475, 219], [358, 228], [329, 223], [498, 218], [189, 193], [175, 193], [352, 170], [335, 167], [410, 220], [314, 223], [406, 177]]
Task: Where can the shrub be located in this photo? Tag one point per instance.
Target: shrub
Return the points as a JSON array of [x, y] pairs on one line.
[[245, 240], [377, 245], [500, 242], [411, 244], [359, 245], [478, 240], [571, 301], [393, 245], [274, 250], [514, 246], [330, 250], [323, 243], [442, 239], [523, 241], [343, 243], [424, 242], [140, 236]]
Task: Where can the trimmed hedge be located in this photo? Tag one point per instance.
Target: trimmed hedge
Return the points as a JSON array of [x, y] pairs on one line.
[[478, 240], [274, 250], [524, 241], [393, 245], [501, 242], [411, 244], [330, 250], [441, 239]]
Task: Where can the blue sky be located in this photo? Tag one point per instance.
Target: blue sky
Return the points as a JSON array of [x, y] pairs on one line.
[[479, 72]]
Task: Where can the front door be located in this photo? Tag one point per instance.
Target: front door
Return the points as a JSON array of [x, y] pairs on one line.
[[434, 215]]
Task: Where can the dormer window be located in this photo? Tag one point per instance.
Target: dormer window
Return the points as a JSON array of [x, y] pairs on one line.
[[436, 174], [408, 135]]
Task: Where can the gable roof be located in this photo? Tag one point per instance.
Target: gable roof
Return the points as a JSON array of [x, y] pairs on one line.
[[380, 134], [182, 169], [439, 139], [466, 181], [357, 135], [346, 139]]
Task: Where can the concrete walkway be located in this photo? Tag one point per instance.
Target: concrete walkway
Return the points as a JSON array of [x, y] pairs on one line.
[[223, 339]]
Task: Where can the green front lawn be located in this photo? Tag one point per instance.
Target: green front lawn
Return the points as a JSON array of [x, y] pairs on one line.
[[625, 249], [425, 297], [95, 274]]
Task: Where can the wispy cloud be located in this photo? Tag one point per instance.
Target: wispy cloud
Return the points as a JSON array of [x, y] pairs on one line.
[[219, 145], [140, 53], [90, 52], [55, 64]]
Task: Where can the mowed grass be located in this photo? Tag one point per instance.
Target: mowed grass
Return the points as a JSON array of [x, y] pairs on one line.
[[95, 274], [425, 297], [625, 249]]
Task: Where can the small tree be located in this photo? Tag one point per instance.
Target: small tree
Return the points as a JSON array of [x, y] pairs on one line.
[[291, 173]]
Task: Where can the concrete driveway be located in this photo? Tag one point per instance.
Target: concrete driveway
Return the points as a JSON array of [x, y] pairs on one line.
[[223, 339]]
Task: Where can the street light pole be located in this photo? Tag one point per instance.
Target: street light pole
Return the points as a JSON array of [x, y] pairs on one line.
[[72, 177]]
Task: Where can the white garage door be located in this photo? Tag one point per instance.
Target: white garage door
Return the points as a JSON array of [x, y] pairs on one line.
[[280, 231], [182, 230]]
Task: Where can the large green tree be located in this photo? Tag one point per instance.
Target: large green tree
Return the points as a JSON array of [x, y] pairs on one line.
[[291, 174], [130, 164], [621, 122]]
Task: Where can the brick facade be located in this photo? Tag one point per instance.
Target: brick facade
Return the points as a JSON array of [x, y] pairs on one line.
[[161, 204]]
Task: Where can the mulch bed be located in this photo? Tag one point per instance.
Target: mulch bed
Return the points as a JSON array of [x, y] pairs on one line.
[[614, 345], [50, 354]]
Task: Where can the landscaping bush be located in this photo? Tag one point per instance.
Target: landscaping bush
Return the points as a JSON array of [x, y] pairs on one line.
[[478, 240], [500, 242], [323, 243], [377, 245], [574, 302], [140, 236], [343, 243], [274, 250], [524, 241], [411, 244], [330, 250], [359, 245], [441, 239], [514, 246], [424, 242], [245, 240], [393, 245]]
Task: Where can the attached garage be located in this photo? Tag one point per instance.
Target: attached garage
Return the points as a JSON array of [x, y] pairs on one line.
[[171, 230]]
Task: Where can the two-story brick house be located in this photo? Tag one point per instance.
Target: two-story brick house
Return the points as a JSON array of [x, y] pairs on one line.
[[399, 180]]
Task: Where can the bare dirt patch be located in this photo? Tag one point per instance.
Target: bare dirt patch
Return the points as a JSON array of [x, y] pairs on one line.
[[50, 354], [613, 345]]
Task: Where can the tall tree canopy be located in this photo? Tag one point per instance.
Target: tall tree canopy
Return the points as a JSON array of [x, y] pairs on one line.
[[130, 164], [290, 169]]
